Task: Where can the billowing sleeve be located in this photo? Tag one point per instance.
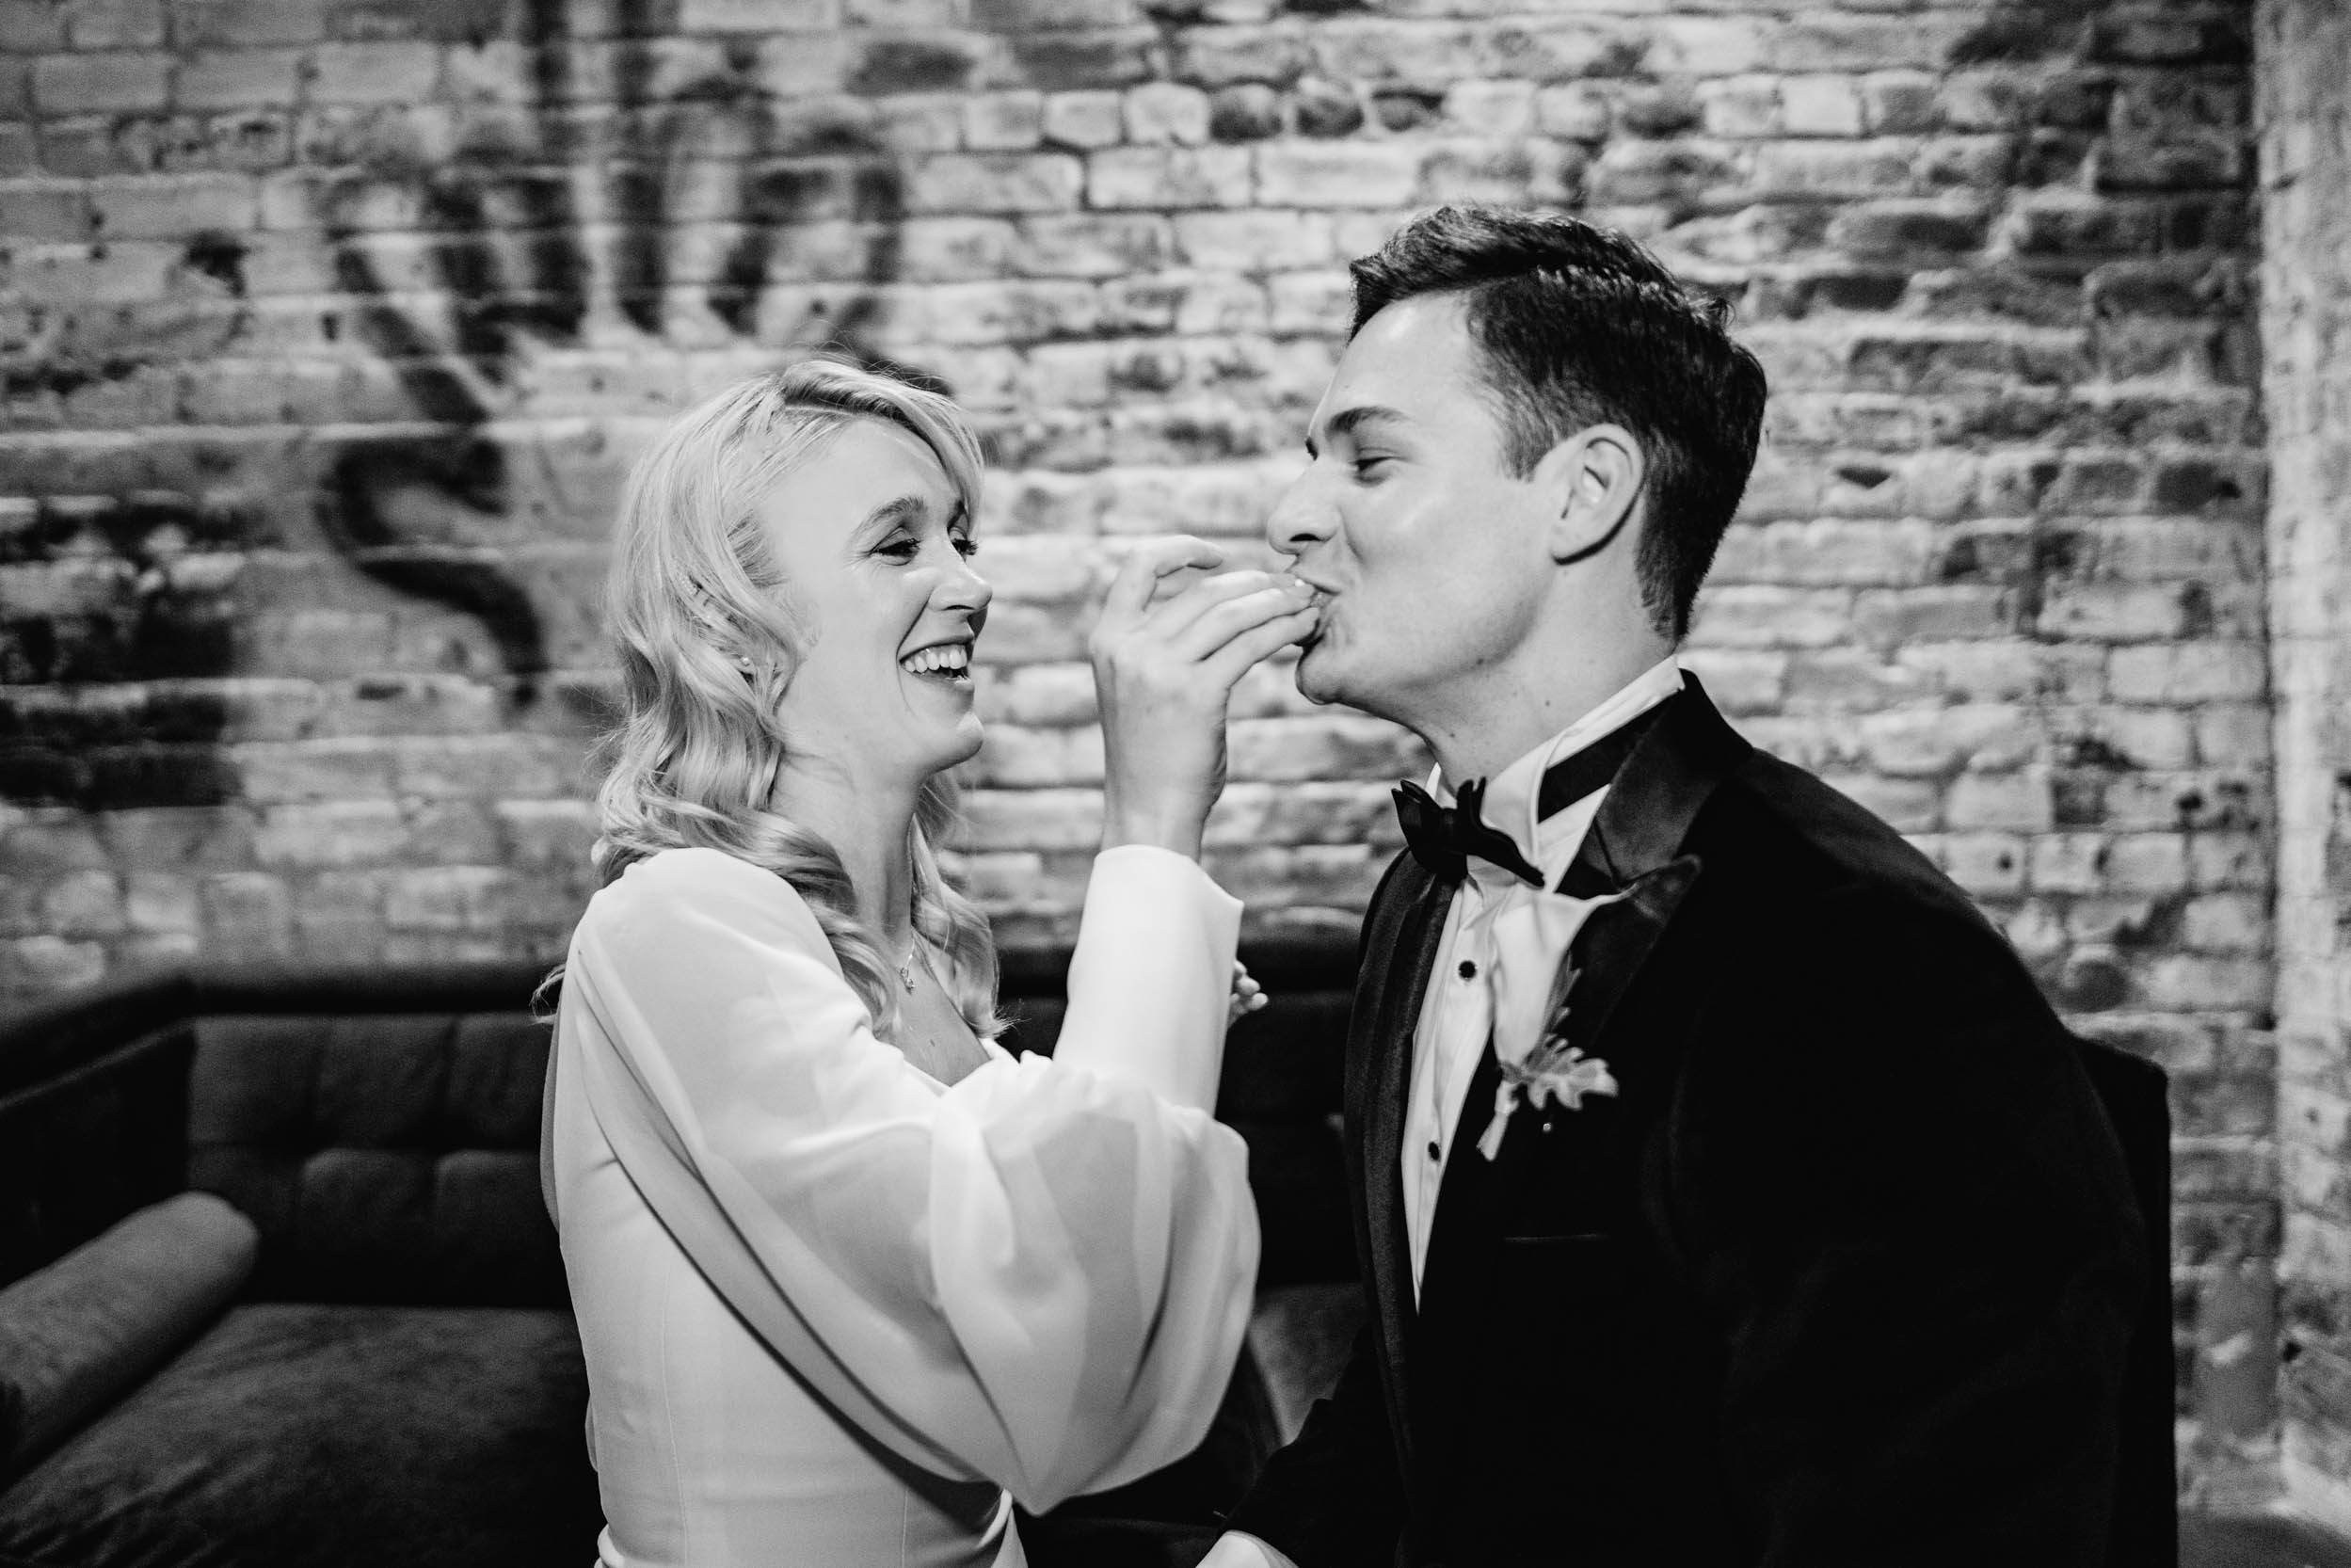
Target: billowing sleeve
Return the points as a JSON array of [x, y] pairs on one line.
[[1040, 1275]]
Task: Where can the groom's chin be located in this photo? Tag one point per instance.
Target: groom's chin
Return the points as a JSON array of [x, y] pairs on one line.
[[1312, 676]]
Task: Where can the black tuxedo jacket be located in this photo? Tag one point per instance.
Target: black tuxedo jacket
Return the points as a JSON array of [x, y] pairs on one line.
[[1848, 1271]]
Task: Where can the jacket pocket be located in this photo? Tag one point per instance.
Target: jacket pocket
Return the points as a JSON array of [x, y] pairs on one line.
[[1585, 1268]]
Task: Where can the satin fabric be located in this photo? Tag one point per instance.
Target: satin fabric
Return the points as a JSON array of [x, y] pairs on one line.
[[836, 1312]]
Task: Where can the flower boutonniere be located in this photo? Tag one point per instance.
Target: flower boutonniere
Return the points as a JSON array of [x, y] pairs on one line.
[[1549, 1069]]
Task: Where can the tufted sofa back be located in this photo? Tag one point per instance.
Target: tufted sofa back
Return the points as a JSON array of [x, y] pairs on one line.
[[385, 1156], [380, 1126], [93, 1114]]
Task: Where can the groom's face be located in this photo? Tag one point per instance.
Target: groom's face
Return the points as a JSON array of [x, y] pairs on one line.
[[1428, 552]]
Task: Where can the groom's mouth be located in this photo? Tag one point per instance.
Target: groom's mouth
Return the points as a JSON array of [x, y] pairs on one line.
[[1322, 602]]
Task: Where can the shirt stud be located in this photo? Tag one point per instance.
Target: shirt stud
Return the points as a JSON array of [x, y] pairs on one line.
[[1469, 970], [1435, 1152]]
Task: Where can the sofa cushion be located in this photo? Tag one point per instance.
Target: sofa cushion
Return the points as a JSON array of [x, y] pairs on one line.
[[386, 1157], [78, 1334], [334, 1437], [103, 1135]]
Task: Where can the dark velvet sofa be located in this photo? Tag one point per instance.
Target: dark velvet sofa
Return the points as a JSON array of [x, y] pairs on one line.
[[277, 1286]]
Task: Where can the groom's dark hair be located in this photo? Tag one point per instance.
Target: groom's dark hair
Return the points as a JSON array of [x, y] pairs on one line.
[[1580, 326]]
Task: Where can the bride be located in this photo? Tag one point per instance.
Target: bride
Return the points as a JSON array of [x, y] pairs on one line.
[[850, 1278]]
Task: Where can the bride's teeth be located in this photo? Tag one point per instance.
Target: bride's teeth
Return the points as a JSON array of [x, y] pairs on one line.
[[944, 656]]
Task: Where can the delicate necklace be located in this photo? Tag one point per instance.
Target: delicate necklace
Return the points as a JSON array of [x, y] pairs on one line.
[[905, 964]]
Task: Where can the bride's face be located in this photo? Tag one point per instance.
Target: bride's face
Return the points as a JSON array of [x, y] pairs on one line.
[[874, 550]]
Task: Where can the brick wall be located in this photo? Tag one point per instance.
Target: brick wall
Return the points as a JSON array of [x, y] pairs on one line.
[[328, 326], [2306, 281]]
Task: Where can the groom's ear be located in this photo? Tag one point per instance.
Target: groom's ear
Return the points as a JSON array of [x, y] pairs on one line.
[[1591, 481]]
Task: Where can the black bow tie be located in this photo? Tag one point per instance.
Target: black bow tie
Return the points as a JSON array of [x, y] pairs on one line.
[[1442, 838]]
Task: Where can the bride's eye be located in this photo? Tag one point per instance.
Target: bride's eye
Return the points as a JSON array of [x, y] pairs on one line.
[[898, 547], [966, 546]]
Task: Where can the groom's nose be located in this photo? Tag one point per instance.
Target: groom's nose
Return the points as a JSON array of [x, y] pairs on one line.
[[1302, 515]]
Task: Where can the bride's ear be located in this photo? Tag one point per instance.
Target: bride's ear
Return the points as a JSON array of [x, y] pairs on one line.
[[1591, 481]]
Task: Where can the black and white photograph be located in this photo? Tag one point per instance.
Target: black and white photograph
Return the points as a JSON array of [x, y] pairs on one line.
[[1175, 784]]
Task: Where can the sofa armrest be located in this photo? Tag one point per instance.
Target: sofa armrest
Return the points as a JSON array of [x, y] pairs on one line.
[[78, 1334]]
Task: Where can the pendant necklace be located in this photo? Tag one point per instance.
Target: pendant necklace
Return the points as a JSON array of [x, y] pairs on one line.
[[905, 964]]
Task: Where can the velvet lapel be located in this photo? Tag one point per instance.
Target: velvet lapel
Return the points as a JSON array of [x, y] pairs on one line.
[[1406, 926], [1634, 846]]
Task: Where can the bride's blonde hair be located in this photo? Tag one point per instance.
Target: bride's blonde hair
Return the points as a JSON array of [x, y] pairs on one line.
[[708, 640]]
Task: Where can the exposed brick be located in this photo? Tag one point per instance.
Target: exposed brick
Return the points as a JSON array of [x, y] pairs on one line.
[[1576, 112], [112, 82], [1168, 177], [372, 73], [1064, 60], [1084, 119], [1003, 122], [32, 29], [116, 24], [756, 16], [1324, 108], [1166, 112], [996, 183], [1254, 241], [1336, 174], [1220, 57], [170, 207], [1491, 108], [1246, 111], [239, 78], [32, 966], [1093, 244], [230, 24], [1821, 106]]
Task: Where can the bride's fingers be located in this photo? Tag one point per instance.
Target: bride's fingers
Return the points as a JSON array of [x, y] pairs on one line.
[[1259, 627], [1199, 619], [1137, 577]]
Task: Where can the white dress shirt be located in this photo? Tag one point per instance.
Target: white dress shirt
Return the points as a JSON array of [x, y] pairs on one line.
[[1462, 1010], [1463, 1006]]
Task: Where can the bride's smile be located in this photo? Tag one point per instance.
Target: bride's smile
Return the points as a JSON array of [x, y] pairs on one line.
[[873, 544]]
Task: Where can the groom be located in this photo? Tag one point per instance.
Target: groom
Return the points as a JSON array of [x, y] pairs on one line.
[[1726, 1193]]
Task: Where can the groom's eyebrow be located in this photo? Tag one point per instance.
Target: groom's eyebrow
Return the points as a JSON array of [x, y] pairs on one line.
[[1348, 421]]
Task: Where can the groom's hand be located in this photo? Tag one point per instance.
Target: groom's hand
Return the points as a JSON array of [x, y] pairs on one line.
[[1163, 676]]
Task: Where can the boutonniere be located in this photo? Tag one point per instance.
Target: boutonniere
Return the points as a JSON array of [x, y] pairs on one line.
[[1549, 1069]]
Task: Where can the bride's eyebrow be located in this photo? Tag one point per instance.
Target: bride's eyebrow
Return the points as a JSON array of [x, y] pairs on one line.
[[889, 513]]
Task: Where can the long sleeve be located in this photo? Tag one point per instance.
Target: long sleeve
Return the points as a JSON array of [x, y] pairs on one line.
[[1039, 1276]]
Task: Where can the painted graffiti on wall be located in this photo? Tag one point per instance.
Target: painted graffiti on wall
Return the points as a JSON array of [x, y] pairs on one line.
[[616, 200]]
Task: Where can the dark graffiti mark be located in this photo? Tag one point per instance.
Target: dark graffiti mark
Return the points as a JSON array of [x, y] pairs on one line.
[[516, 264], [122, 609], [566, 223]]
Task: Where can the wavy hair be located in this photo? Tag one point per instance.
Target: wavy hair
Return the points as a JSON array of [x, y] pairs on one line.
[[708, 639]]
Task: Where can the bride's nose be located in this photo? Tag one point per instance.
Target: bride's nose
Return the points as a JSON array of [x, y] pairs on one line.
[[962, 588]]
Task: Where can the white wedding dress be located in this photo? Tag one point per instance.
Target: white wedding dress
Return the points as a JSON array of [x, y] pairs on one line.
[[838, 1314]]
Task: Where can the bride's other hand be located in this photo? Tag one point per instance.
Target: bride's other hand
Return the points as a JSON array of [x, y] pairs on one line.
[[1163, 674], [1248, 996]]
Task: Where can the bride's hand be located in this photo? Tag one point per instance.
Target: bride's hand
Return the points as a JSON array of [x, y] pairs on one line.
[[1247, 997], [1164, 673]]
